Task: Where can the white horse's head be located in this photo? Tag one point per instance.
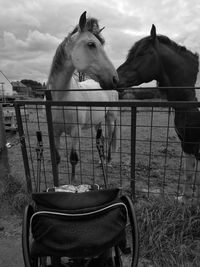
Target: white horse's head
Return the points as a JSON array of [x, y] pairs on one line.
[[84, 48]]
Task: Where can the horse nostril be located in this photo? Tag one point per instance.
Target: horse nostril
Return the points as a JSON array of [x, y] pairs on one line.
[[115, 80]]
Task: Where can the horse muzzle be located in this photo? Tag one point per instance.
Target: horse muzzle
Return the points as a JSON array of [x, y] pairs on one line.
[[128, 81], [109, 85]]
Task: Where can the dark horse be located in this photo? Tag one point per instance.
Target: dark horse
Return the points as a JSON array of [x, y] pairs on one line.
[[156, 57]]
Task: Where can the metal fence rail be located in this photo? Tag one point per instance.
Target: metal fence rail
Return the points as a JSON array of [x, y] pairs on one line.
[[149, 159]]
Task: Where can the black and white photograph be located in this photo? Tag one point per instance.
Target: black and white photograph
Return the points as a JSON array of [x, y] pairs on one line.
[[99, 133]]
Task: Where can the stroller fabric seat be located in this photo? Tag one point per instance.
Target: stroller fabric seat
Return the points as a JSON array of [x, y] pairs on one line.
[[77, 225]]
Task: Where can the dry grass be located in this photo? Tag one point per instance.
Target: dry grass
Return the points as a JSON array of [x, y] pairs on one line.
[[169, 232], [14, 194]]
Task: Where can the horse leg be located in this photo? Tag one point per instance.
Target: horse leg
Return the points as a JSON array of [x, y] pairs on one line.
[[100, 142], [73, 161], [108, 139], [189, 174], [73, 154], [57, 146], [111, 134]]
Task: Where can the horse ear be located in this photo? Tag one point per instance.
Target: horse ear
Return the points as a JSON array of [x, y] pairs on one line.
[[82, 21], [153, 32], [101, 29]]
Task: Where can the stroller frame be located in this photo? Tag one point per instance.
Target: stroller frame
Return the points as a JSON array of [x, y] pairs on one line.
[[105, 259]]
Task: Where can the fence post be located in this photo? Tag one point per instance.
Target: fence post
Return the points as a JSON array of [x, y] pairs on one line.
[[52, 143], [133, 149], [23, 148], [4, 164]]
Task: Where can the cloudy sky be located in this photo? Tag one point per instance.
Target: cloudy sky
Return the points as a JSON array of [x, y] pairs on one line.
[[30, 30]]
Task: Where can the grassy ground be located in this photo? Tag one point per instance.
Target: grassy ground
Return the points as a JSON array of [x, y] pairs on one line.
[[169, 232]]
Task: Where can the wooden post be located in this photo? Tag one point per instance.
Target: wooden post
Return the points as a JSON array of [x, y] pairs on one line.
[[4, 164]]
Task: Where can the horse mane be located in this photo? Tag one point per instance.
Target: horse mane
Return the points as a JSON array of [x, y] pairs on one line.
[[178, 48], [144, 42], [92, 25], [192, 58]]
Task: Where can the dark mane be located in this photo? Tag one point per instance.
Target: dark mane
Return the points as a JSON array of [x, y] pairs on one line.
[[146, 41], [142, 43], [92, 25], [180, 49], [59, 56]]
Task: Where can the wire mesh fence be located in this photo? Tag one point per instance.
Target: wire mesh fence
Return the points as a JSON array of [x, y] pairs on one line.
[[149, 159]]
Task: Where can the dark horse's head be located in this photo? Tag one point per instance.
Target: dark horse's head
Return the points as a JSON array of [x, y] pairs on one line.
[[142, 63], [156, 57]]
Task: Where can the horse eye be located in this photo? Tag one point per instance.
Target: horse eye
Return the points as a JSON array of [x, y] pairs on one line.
[[91, 45], [140, 54]]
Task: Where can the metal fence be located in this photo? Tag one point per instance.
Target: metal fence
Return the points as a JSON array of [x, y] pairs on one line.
[[149, 159]]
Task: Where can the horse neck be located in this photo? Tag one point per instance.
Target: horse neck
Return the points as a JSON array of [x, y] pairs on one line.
[[60, 82], [179, 71]]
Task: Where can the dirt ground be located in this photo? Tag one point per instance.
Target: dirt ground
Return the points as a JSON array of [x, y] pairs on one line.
[[10, 239]]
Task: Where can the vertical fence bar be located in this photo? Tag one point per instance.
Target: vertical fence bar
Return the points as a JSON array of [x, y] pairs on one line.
[[150, 150], [48, 95], [52, 143], [165, 156], [23, 148], [133, 149]]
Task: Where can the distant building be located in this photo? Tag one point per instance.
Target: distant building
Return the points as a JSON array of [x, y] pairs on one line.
[[38, 91], [21, 88], [6, 89]]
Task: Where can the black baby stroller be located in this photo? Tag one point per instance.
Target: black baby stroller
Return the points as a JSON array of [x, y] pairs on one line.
[[93, 228], [79, 226]]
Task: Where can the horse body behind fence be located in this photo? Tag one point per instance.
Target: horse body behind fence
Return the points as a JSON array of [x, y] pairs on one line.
[[83, 50], [156, 57], [69, 117]]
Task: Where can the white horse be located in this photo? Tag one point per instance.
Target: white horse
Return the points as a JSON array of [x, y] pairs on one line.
[[82, 50]]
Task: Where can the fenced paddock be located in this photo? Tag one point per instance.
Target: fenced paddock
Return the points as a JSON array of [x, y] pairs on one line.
[[149, 165], [149, 159]]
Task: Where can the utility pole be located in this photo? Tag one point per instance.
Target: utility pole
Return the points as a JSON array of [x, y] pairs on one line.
[[4, 164]]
